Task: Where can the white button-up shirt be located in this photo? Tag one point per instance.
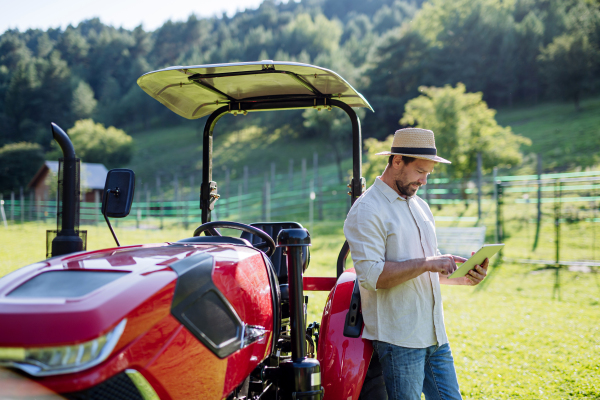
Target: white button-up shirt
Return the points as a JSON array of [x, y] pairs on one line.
[[382, 226]]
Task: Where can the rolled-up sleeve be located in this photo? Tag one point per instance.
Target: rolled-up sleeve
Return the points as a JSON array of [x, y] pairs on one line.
[[366, 236]]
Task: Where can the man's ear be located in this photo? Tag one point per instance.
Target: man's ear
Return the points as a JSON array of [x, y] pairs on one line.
[[398, 161]]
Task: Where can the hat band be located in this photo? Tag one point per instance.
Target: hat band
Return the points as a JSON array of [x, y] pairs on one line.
[[415, 150]]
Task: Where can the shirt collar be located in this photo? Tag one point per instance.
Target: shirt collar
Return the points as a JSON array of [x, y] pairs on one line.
[[387, 191]]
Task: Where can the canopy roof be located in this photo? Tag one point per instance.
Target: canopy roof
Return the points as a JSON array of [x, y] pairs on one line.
[[196, 91]]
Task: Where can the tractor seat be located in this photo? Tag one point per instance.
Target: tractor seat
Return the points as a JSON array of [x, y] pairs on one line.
[[278, 258]]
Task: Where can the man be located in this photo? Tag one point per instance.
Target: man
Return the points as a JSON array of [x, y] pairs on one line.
[[392, 240]]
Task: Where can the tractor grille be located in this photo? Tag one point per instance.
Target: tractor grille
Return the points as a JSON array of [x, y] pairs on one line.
[[119, 387]]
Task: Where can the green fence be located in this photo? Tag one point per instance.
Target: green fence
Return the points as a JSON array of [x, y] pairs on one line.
[[552, 221], [564, 230]]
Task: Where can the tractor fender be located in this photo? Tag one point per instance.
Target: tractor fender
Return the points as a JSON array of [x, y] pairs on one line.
[[344, 360]]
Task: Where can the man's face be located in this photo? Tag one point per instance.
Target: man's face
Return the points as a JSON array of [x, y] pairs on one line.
[[410, 177]]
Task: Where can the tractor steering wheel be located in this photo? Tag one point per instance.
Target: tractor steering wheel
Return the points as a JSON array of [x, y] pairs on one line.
[[210, 227]]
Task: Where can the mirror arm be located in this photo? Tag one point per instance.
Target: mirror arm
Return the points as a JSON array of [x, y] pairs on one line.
[[104, 204]]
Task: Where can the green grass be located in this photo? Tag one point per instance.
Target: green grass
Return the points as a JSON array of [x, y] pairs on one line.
[[510, 339], [567, 139], [178, 150]]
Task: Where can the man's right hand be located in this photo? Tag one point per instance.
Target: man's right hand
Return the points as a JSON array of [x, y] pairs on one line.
[[444, 264]]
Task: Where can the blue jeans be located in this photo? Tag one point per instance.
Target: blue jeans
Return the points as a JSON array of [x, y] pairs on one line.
[[408, 372]]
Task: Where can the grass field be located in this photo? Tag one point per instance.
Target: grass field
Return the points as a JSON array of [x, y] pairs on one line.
[[566, 138], [510, 339]]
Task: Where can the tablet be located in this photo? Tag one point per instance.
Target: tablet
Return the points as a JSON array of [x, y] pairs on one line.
[[486, 251]]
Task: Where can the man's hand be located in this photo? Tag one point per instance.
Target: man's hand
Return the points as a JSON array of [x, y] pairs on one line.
[[477, 274], [473, 277], [445, 265]]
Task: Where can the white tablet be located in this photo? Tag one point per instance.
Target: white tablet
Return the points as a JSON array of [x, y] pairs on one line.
[[486, 251]]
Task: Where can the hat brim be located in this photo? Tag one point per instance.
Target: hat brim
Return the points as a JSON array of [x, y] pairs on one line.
[[421, 156]]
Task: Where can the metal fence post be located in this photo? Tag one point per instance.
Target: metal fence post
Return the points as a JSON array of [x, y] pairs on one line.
[[22, 204], [2, 210], [12, 207], [311, 205], [227, 197], [539, 202], [499, 221], [96, 207], [245, 179], [557, 212], [494, 184], [266, 206], [148, 207], [239, 201], [291, 174], [273, 175], [303, 173]]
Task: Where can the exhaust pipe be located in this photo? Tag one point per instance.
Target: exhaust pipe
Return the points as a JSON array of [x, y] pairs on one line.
[[67, 239]]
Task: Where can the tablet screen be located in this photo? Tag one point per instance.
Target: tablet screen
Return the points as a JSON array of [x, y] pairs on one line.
[[486, 251]]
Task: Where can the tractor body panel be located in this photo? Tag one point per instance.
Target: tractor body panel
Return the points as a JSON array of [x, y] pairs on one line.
[[143, 288], [344, 360]]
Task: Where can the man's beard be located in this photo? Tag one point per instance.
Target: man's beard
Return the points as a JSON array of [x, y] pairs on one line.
[[407, 190]]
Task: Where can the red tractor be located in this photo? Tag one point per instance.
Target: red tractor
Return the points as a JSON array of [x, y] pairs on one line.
[[207, 317]]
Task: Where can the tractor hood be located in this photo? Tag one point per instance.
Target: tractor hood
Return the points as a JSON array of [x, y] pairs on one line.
[[76, 298], [196, 91]]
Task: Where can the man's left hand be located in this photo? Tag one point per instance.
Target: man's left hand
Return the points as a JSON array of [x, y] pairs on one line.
[[477, 274]]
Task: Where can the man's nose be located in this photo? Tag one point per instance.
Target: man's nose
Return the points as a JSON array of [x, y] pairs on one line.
[[423, 180]]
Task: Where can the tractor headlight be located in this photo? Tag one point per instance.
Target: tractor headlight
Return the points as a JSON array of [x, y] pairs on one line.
[[44, 361]]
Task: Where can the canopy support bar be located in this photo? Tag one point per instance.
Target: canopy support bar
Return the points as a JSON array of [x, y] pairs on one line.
[[356, 186]]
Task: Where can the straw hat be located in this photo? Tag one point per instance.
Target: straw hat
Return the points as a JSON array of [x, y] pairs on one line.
[[415, 142]]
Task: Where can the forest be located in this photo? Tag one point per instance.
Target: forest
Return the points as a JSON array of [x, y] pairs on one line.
[[514, 52]]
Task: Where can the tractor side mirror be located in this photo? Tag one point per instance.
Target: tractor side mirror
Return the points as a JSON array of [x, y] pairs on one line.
[[118, 193], [118, 196]]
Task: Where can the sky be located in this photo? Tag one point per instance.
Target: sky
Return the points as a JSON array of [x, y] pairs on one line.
[[44, 14]]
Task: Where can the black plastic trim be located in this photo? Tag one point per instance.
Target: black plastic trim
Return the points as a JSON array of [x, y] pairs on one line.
[[203, 309], [118, 387], [354, 318], [215, 239]]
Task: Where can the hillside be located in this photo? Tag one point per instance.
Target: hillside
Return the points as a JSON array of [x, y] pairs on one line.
[[566, 138], [178, 150]]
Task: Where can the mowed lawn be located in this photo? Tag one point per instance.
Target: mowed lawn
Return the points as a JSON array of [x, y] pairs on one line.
[[510, 339]]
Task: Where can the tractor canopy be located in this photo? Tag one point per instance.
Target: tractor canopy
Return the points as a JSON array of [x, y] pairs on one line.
[[196, 91]]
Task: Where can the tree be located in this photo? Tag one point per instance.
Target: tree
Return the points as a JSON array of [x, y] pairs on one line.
[[96, 144], [374, 164], [18, 164], [83, 103], [463, 126], [567, 65]]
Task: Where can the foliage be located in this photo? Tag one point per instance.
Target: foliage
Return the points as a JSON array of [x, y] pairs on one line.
[[489, 45], [84, 103], [96, 144], [18, 164], [375, 165], [464, 126], [567, 65], [387, 49]]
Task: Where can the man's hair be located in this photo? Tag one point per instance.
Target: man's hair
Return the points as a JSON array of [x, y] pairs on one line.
[[406, 159]]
